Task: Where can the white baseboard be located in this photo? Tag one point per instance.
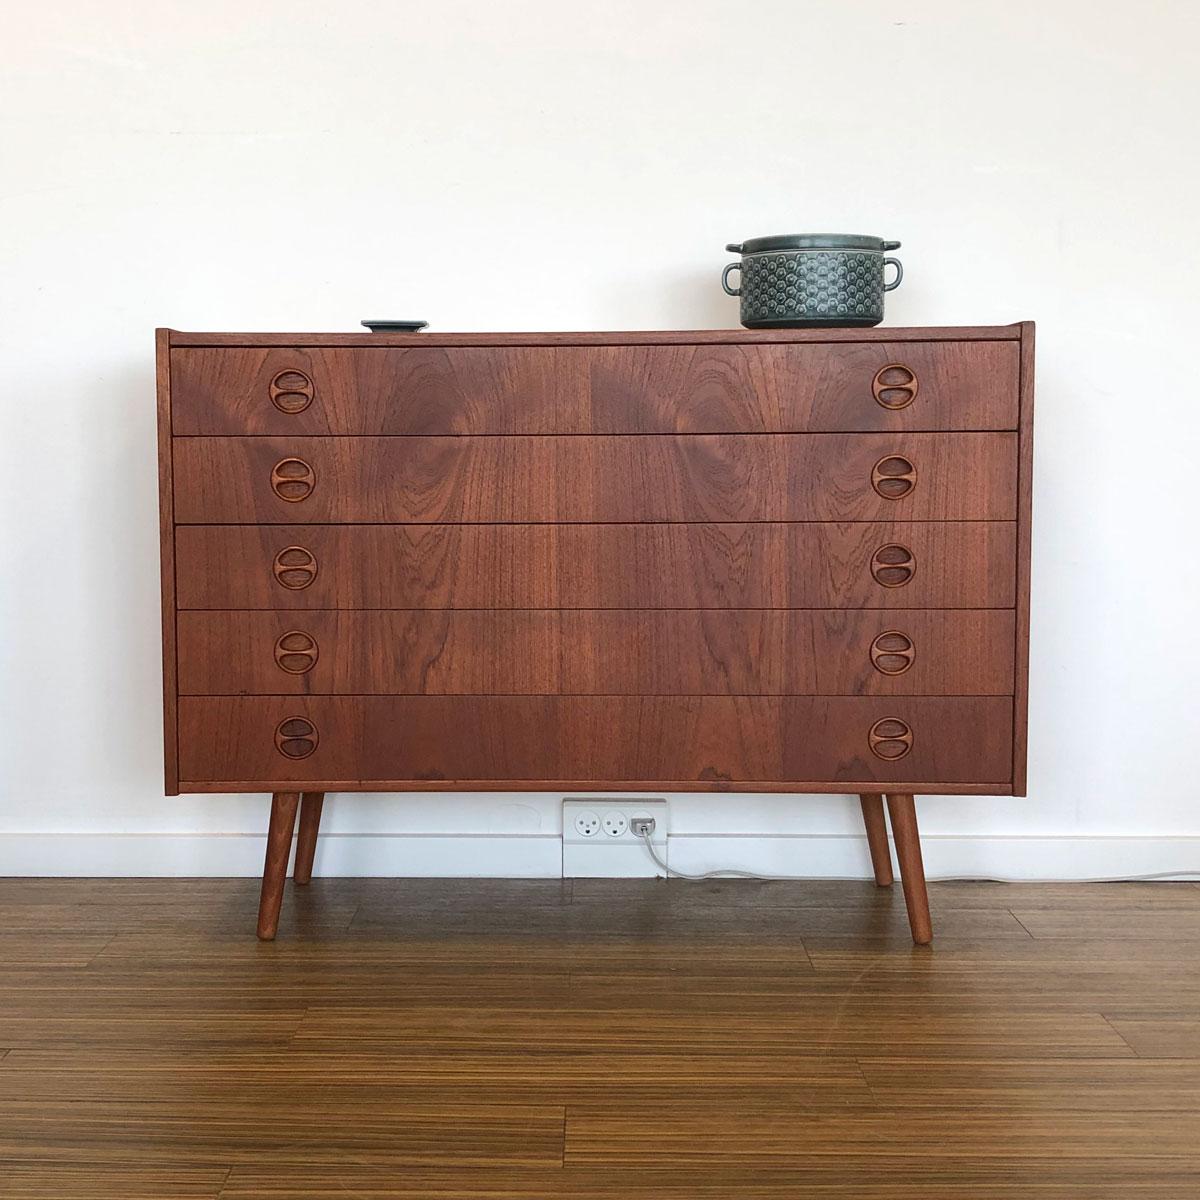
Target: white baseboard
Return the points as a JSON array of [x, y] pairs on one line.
[[205, 854], [946, 856], [540, 855]]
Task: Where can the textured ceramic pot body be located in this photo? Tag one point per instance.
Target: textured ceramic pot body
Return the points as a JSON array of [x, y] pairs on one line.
[[812, 279]]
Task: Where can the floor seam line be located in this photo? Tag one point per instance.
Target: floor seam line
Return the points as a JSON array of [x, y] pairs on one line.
[[1108, 1021], [1028, 933]]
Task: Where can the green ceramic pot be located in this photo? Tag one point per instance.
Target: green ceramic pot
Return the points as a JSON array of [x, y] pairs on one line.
[[811, 279]]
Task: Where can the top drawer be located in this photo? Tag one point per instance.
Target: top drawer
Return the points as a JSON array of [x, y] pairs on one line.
[[739, 388]]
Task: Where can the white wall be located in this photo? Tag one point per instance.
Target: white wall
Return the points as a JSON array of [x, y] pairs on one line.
[[284, 165]]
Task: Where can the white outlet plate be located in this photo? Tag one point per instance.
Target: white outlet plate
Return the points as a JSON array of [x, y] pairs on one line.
[[603, 855]]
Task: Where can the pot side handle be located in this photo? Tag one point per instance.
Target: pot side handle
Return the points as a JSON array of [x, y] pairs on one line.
[[734, 266], [891, 287]]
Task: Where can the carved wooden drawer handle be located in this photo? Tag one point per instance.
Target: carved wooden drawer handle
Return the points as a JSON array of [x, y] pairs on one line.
[[296, 737], [893, 477], [296, 652], [293, 480], [292, 392], [890, 739], [892, 652], [295, 567], [893, 565], [895, 386]]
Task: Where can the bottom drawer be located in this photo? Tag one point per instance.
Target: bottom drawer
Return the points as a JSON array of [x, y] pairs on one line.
[[620, 741]]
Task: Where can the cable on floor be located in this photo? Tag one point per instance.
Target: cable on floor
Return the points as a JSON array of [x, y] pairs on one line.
[[735, 873]]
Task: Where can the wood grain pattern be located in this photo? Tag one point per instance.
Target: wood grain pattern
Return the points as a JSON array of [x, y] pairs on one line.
[[1024, 555], [166, 555], [424, 1058], [1155, 1034], [446, 1135], [1178, 926], [739, 386], [897, 1176], [494, 1072], [902, 813], [553, 561], [594, 652], [825, 1027], [602, 738], [958, 565], [54, 1180], [707, 477], [877, 837], [311, 805], [701, 1134], [926, 787], [27, 948], [592, 337], [279, 849]]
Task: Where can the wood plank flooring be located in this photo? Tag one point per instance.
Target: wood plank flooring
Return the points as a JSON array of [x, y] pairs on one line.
[[529, 1039]]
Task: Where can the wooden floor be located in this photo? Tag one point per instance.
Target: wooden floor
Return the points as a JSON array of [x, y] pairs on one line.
[[504, 1040]]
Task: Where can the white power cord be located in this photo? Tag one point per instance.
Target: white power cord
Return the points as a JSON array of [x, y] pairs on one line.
[[728, 873], [734, 873]]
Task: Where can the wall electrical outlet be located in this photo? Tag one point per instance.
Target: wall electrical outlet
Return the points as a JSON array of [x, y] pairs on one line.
[[586, 823], [601, 837]]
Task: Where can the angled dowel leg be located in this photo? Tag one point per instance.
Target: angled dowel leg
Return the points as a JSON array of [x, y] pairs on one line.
[[306, 839], [877, 838], [903, 812], [279, 846]]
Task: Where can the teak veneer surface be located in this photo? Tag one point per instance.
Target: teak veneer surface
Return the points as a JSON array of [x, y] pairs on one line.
[[955, 652], [750, 386], [725, 739], [708, 477], [906, 334], [760, 565], [716, 560]]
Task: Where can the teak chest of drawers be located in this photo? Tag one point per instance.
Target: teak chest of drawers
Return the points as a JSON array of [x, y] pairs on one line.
[[721, 561]]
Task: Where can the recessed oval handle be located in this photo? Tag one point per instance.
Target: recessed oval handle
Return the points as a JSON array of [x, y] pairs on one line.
[[892, 652], [895, 386], [293, 480], [296, 652], [295, 568], [291, 391], [893, 565], [296, 737], [893, 477], [890, 739]]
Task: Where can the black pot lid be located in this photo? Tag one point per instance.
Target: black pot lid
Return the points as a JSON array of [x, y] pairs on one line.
[[812, 241], [394, 326]]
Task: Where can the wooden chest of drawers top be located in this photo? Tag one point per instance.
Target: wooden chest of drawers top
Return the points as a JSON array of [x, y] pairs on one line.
[[731, 385], [745, 561]]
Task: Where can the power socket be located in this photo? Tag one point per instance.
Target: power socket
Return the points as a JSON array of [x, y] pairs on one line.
[[603, 837], [586, 823], [615, 823]]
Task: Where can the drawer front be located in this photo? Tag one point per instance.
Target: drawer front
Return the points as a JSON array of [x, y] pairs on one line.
[[594, 652], [775, 387], [765, 565], [569, 740], [705, 477]]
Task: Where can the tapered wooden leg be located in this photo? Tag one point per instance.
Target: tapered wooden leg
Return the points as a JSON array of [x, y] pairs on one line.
[[877, 838], [279, 846], [306, 839], [903, 812]]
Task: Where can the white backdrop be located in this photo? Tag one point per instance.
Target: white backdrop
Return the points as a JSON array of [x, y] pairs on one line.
[[545, 164]]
